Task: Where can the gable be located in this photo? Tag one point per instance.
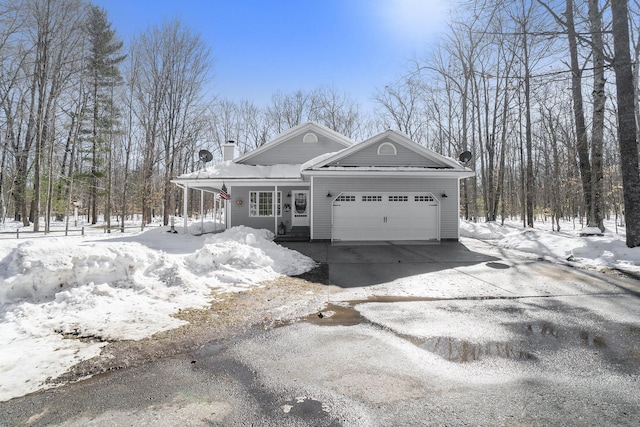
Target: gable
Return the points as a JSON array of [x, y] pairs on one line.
[[390, 149], [297, 146], [386, 153]]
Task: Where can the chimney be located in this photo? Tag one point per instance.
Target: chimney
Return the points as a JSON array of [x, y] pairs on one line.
[[229, 151]]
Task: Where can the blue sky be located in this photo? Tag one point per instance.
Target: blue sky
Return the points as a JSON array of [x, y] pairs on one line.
[[261, 47]]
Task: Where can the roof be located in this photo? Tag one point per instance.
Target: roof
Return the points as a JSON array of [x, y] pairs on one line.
[[324, 164], [232, 170]]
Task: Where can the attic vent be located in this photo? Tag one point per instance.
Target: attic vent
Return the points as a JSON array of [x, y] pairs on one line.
[[387, 149], [310, 138]]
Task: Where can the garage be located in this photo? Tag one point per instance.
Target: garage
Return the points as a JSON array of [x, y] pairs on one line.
[[367, 216]]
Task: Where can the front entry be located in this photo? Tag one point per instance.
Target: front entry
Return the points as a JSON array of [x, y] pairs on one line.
[[300, 209]]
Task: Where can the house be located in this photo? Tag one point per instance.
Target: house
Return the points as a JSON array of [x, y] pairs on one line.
[[313, 182]]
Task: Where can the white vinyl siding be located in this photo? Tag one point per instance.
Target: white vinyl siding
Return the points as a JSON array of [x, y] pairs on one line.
[[381, 155], [295, 151]]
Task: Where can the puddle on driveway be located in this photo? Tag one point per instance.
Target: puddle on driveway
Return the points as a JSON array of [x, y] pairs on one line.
[[336, 315], [497, 265], [592, 340], [542, 328], [528, 335], [462, 351]]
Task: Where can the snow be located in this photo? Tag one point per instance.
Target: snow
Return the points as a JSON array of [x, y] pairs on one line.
[[106, 287], [317, 160], [232, 170], [572, 245]]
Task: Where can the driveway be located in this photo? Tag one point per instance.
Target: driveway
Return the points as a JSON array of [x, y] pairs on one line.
[[432, 334], [373, 263]]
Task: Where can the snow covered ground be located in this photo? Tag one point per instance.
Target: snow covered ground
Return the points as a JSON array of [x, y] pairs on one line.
[[100, 288], [567, 246], [104, 287]]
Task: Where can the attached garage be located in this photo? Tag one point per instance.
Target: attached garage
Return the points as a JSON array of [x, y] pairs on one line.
[[379, 216]]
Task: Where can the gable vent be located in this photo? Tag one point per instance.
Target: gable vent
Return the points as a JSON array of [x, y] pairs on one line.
[[310, 138], [387, 149]]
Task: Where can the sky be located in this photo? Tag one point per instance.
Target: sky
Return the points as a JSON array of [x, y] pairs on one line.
[[261, 47]]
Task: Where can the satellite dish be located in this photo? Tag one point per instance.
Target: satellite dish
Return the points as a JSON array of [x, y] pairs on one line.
[[465, 156], [205, 156]]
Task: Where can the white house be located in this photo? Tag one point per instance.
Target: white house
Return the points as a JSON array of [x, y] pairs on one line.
[[316, 183]]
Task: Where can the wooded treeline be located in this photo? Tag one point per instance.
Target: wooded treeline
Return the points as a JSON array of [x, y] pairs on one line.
[[532, 88]]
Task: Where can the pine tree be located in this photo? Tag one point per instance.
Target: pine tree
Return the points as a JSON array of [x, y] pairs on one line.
[[103, 74]]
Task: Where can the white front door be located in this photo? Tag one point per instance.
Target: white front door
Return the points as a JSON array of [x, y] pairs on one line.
[[300, 208]]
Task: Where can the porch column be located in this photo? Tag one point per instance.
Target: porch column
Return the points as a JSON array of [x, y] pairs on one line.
[[185, 198], [202, 211], [275, 210]]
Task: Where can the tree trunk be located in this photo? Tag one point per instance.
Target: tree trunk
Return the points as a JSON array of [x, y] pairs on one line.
[[627, 137], [597, 131], [528, 125], [578, 112]]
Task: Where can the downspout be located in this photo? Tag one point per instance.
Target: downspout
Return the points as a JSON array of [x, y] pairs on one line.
[[202, 211]]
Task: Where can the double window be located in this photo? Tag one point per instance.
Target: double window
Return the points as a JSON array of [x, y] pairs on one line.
[[261, 203]]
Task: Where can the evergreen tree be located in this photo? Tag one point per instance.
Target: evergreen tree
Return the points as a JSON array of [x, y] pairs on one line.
[[103, 74]]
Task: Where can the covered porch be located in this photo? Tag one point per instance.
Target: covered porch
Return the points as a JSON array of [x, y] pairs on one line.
[[281, 206]]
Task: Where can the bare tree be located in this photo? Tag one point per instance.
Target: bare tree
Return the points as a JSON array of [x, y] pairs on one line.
[[287, 111], [401, 106], [174, 64], [334, 110]]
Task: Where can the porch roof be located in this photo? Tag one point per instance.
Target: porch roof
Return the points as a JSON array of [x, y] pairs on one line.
[[230, 173]]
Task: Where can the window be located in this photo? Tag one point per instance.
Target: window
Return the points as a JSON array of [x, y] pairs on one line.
[[371, 198], [345, 198], [398, 198], [310, 138], [387, 149], [424, 199], [261, 203]]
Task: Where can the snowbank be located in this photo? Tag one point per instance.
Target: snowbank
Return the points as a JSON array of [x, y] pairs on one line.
[[54, 291], [608, 251]]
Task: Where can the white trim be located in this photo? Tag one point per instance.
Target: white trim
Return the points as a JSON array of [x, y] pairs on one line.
[[420, 173]]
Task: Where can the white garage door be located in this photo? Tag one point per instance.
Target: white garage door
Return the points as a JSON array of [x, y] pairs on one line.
[[385, 216]]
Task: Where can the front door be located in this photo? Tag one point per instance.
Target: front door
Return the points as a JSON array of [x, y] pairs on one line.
[[300, 208]]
